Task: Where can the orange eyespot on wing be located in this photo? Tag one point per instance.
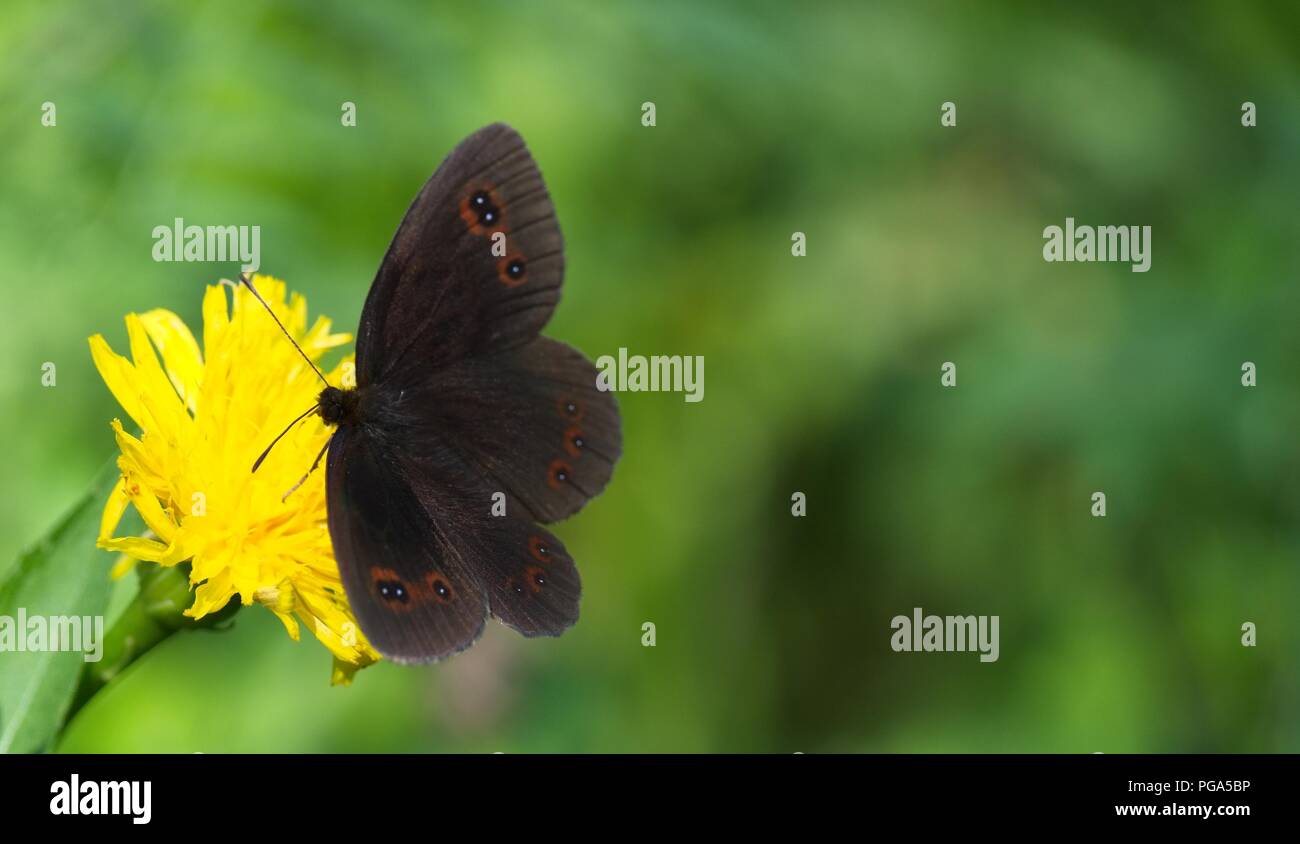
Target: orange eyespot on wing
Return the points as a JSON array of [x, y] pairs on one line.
[[512, 270], [440, 588], [390, 588], [558, 474], [538, 548], [482, 210], [571, 408], [574, 442]]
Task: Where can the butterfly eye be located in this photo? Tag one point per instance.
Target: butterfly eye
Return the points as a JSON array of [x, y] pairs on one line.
[[512, 271], [574, 442], [559, 473], [539, 549]]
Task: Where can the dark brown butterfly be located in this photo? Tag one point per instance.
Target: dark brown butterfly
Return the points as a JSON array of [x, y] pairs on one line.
[[458, 399]]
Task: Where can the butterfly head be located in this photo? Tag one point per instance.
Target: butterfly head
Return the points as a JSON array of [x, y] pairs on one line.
[[337, 406]]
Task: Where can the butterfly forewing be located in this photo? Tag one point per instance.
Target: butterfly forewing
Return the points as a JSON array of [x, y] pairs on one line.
[[476, 264], [409, 588]]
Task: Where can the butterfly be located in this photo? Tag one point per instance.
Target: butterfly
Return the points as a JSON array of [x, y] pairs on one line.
[[462, 411]]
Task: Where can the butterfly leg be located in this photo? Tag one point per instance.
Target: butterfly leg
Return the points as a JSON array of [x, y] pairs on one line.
[[303, 479]]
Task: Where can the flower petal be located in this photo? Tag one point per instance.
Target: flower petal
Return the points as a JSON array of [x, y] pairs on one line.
[[212, 595], [180, 352], [150, 550], [155, 517], [156, 391], [123, 566], [120, 377], [114, 507], [141, 463], [215, 319]]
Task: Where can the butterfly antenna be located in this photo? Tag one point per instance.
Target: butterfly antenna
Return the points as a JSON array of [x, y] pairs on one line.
[[248, 282], [308, 412], [303, 479]]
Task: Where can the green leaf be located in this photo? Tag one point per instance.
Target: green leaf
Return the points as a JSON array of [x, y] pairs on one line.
[[63, 575]]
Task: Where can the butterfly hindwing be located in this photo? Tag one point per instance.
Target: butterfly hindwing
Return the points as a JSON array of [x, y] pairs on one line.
[[475, 267], [530, 580], [527, 576], [407, 584], [529, 422]]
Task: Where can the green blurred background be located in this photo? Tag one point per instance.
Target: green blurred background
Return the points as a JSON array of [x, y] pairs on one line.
[[822, 373]]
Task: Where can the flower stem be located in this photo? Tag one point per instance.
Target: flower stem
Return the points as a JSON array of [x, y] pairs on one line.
[[155, 614]]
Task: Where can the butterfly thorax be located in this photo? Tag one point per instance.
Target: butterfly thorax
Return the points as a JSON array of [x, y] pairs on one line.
[[338, 406]]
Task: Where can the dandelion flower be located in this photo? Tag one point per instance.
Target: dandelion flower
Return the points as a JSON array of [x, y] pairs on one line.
[[204, 416]]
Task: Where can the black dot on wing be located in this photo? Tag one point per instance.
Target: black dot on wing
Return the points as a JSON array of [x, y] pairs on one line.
[[574, 441], [440, 587], [393, 591], [558, 473], [534, 579], [570, 408]]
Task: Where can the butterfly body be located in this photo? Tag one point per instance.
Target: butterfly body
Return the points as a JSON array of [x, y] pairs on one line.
[[336, 406], [466, 427]]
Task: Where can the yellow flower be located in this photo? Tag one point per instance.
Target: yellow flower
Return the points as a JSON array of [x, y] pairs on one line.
[[205, 416]]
